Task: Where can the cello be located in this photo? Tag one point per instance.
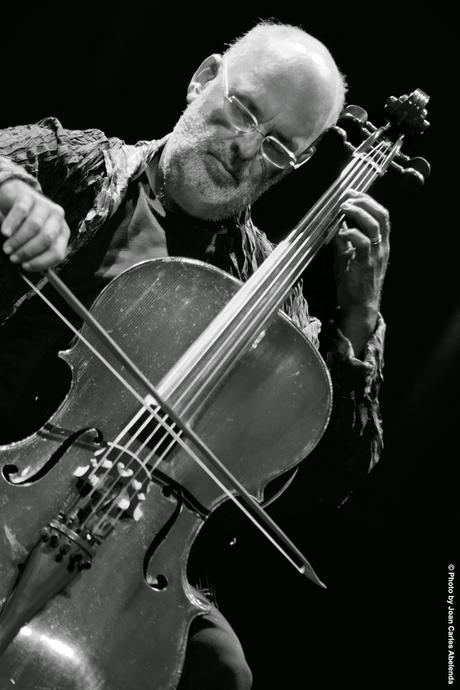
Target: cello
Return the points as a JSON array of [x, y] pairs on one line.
[[100, 507]]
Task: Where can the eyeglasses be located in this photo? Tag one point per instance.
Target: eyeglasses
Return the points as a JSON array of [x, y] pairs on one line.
[[242, 120]]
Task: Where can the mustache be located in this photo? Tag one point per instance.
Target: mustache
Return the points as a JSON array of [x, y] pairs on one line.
[[239, 168]]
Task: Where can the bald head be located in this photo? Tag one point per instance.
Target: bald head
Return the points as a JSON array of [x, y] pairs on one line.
[[299, 58], [252, 116]]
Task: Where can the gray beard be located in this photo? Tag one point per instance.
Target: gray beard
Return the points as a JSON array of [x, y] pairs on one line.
[[183, 167]]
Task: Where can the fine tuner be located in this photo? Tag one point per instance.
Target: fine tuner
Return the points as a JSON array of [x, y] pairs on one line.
[[405, 116]]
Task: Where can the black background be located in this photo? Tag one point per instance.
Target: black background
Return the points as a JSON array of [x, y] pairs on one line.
[[124, 68]]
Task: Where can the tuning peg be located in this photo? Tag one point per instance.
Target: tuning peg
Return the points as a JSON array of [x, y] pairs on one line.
[[340, 131], [411, 180], [401, 111], [356, 113], [392, 102], [413, 172], [421, 166]]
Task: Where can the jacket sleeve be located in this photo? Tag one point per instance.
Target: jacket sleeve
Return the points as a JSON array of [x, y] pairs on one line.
[[65, 165], [353, 441]]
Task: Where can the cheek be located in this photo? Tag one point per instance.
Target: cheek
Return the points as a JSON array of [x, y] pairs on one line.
[[211, 108], [217, 120], [214, 120]]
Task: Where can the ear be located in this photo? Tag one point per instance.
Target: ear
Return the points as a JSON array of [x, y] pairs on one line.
[[205, 73]]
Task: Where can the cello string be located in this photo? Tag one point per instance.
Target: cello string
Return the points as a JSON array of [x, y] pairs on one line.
[[104, 361], [255, 305], [140, 464], [133, 458], [267, 277], [243, 496], [105, 462], [153, 451], [237, 500]]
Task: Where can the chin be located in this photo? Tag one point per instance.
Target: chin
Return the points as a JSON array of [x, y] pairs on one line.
[[223, 209], [214, 212], [205, 197]]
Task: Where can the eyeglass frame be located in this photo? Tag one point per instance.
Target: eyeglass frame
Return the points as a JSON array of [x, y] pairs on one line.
[[293, 159]]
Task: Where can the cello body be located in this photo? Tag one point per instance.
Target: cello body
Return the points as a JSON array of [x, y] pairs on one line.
[[123, 623]]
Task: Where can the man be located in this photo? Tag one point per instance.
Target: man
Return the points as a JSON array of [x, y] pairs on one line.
[[93, 206]]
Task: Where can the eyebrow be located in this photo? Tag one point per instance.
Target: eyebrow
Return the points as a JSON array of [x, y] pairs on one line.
[[248, 101]]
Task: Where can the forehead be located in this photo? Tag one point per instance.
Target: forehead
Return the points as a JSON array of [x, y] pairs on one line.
[[287, 92]]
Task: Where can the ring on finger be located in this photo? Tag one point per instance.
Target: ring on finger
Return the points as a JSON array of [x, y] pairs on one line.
[[376, 240]]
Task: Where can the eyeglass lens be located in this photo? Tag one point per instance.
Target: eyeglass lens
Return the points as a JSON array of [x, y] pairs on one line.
[[243, 121]]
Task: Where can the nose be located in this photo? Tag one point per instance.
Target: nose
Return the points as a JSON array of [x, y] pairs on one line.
[[248, 144]]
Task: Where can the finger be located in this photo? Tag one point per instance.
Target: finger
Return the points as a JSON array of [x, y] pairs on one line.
[[41, 243], [16, 215], [379, 212], [31, 228], [342, 245], [360, 242], [368, 225], [50, 258]]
